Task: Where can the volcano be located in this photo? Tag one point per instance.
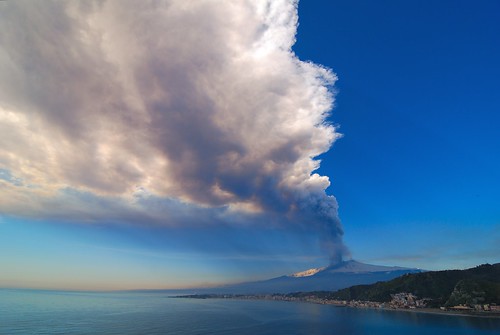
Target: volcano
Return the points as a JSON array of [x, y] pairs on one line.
[[330, 278]]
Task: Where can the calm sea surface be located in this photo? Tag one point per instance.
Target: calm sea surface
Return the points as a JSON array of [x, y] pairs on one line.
[[44, 312]]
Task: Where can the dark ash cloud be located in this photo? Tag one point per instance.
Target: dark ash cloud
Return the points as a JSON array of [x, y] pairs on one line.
[[164, 112]]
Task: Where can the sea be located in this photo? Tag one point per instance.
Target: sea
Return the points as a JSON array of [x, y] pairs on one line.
[[55, 312]]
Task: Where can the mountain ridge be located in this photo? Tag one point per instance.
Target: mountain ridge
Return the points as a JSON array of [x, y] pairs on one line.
[[330, 278], [353, 266], [480, 284]]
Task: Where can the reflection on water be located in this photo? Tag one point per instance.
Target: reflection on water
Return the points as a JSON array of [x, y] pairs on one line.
[[43, 312]]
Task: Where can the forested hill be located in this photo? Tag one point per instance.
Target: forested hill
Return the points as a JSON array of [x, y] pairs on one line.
[[445, 288]]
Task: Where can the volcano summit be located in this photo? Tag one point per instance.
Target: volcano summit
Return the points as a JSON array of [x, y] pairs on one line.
[[330, 278]]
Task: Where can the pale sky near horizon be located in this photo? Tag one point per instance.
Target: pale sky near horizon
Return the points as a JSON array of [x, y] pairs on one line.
[[178, 144]]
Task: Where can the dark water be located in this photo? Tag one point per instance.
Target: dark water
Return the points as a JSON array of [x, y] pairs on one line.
[[42, 312]]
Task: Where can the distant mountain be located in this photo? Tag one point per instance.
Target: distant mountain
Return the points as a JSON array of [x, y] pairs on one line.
[[479, 285], [331, 278], [350, 267]]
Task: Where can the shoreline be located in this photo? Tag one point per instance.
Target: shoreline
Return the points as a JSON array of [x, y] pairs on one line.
[[435, 311], [424, 310]]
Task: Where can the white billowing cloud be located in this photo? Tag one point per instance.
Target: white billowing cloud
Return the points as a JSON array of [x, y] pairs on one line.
[[166, 110]]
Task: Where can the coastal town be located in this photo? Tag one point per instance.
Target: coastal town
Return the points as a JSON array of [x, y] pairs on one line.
[[399, 301]]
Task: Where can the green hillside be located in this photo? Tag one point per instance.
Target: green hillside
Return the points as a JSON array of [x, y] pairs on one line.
[[479, 285]]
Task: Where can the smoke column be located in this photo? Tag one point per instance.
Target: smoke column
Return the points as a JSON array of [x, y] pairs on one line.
[[164, 112]]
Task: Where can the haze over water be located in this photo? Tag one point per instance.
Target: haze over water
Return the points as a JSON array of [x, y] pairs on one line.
[[57, 312]]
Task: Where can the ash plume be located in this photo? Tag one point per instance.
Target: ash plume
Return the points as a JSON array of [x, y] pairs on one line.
[[169, 112]]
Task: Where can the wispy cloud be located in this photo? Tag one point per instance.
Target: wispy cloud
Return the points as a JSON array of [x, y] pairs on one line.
[[6, 176]]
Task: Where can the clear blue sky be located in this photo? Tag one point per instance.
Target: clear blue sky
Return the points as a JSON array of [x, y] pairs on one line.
[[416, 173]]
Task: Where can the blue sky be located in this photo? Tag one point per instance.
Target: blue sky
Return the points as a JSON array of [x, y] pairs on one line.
[[415, 173]]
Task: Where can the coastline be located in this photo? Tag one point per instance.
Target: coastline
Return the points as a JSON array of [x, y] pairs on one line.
[[423, 310], [437, 311]]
